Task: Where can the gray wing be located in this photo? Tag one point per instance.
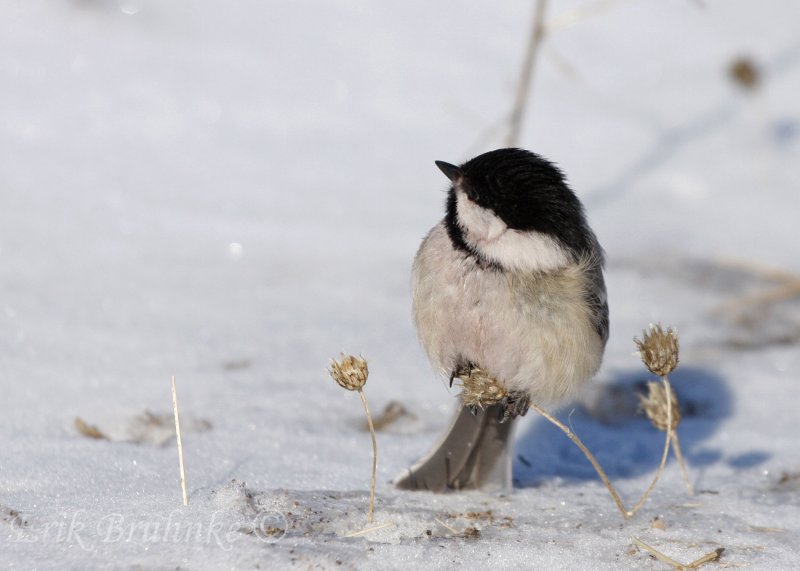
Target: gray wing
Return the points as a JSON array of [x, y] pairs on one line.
[[597, 299]]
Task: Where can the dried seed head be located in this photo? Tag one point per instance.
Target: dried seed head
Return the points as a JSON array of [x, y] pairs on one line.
[[351, 373], [479, 389], [659, 350], [655, 405], [744, 72]]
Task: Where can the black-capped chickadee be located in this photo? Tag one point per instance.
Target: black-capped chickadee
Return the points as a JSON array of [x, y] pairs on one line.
[[511, 282]]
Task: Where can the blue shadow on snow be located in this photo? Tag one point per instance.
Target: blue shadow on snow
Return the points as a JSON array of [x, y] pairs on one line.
[[624, 442]]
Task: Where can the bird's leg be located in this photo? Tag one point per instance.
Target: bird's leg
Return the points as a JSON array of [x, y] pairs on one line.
[[513, 405]]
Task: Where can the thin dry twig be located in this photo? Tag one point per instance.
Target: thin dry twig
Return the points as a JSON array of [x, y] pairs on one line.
[[180, 444], [469, 532], [537, 35], [656, 553], [367, 530], [352, 374], [676, 447], [707, 558], [598, 468], [696, 564], [667, 439], [449, 528], [762, 529], [374, 455]]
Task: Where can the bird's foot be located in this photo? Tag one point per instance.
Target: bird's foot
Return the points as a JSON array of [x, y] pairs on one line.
[[514, 405], [462, 370]]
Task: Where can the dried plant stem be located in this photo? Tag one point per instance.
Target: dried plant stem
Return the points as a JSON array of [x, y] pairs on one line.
[[351, 373], [676, 446], [361, 532], [374, 455], [449, 528], [667, 440], [657, 554], [707, 558], [537, 35], [598, 468], [626, 513], [180, 444], [652, 485], [696, 564]]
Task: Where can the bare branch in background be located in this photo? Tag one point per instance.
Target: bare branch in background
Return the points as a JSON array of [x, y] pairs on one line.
[[537, 35]]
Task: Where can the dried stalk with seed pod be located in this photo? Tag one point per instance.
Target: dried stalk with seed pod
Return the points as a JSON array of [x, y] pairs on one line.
[[351, 374], [659, 352]]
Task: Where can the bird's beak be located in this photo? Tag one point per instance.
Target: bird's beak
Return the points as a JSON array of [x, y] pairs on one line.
[[450, 171]]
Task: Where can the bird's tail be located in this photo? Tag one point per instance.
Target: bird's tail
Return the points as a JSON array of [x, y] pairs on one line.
[[474, 454]]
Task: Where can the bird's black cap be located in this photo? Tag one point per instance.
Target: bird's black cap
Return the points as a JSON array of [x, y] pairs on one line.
[[526, 191]]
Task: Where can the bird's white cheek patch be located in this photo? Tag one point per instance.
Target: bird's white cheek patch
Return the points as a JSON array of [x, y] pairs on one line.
[[511, 249], [526, 251], [480, 224]]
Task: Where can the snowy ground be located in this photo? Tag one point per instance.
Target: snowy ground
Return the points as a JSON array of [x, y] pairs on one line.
[[234, 192]]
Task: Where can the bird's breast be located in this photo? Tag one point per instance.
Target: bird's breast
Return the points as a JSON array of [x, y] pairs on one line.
[[533, 332]]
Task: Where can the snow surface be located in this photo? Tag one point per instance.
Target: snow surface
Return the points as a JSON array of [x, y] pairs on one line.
[[233, 193]]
